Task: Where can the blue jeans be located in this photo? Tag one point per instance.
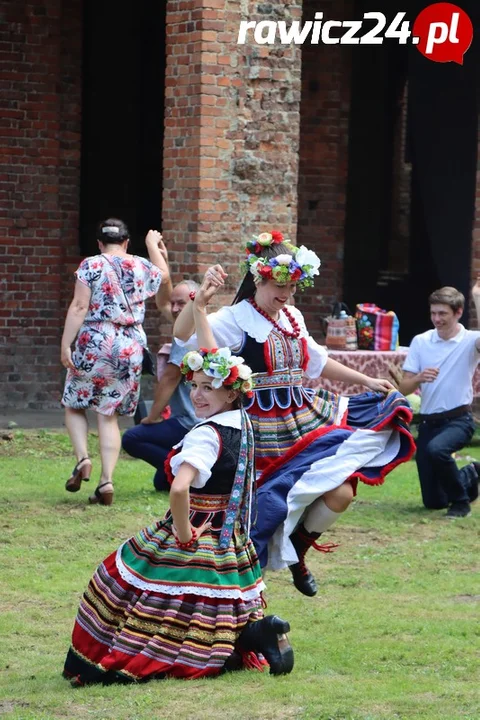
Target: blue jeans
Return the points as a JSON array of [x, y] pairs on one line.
[[152, 443], [441, 482]]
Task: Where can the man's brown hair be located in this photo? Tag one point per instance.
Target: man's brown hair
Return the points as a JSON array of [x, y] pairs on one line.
[[448, 296]]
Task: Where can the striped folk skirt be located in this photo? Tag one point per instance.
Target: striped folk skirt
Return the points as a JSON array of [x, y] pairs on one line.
[[153, 610]]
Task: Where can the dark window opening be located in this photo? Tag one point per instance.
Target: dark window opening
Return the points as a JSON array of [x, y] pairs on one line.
[[122, 118], [378, 186]]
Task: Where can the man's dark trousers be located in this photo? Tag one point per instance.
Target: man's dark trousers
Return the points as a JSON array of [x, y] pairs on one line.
[[441, 482]]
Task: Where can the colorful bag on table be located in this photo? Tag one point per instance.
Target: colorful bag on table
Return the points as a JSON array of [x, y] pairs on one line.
[[341, 329], [377, 329]]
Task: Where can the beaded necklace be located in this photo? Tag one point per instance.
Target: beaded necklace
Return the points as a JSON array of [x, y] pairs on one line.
[[288, 333]]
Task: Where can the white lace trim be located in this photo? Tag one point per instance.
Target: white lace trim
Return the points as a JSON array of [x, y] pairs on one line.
[[233, 593]]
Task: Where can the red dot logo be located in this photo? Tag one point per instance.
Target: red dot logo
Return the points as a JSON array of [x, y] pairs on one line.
[[444, 32]]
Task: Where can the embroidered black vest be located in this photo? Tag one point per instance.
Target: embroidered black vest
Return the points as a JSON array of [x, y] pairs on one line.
[[223, 471]]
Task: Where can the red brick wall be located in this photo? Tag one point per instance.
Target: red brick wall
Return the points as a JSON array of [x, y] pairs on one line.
[[39, 132], [231, 136], [323, 161], [235, 149]]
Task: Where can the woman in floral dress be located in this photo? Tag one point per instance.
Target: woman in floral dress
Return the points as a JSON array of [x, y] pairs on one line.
[[104, 321], [182, 598]]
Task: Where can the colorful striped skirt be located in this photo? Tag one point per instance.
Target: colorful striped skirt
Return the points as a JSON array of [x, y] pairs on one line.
[[153, 610]]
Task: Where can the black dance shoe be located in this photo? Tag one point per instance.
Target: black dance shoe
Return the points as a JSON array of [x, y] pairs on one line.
[[303, 579], [268, 637]]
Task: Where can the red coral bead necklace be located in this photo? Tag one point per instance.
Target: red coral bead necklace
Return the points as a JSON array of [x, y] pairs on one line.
[[296, 327]]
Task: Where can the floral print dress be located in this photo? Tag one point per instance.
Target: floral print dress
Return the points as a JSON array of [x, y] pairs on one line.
[[108, 350]]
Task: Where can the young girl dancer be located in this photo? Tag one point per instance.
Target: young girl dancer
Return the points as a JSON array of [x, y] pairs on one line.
[[182, 598]]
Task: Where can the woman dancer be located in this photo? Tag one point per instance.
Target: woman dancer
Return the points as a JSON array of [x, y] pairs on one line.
[[310, 449], [183, 598]]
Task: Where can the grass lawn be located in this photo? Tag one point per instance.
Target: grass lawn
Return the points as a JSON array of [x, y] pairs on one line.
[[391, 635]]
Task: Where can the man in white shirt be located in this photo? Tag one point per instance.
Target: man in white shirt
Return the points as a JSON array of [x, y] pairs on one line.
[[442, 363]]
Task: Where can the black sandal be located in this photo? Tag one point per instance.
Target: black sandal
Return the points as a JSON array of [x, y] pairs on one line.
[[74, 482]]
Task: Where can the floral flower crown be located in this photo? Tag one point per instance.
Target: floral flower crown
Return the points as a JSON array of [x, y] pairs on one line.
[[300, 266], [225, 369]]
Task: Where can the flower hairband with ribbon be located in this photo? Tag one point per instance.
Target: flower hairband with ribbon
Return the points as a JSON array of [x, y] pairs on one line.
[[300, 265], [223, 367]]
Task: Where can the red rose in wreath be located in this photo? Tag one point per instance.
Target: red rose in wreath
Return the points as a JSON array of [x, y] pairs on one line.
[[232, 377], [265, 272]]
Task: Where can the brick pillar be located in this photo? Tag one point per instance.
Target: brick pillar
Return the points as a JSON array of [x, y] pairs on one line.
[[323, 160], [40, 84], [231, 133]]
